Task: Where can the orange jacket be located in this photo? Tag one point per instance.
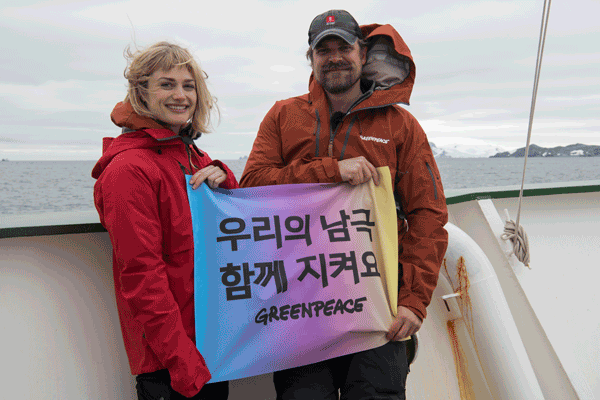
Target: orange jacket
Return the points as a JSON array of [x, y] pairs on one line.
[[293, 145]]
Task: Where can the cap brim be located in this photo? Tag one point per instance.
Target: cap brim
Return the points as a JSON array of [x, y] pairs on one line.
[[342, 34]]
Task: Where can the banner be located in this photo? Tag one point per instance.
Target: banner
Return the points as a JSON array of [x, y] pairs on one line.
[[291, 275]]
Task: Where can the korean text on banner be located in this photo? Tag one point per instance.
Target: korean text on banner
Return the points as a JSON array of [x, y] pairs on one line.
[[291, 275]]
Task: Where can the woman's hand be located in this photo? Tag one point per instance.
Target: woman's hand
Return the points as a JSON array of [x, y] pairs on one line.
[[212, 174]]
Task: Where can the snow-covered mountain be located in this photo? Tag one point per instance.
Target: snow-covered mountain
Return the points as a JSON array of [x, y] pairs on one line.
[[573, 150], [467, 150]]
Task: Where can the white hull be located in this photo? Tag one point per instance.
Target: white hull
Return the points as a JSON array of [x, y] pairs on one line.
[[61, 336]]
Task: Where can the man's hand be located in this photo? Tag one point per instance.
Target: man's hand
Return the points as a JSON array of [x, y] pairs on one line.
[[212, 174], [358, 170], [405, 325]]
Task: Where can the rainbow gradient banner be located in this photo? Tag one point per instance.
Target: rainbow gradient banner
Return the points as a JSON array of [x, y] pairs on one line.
[[291, 275]]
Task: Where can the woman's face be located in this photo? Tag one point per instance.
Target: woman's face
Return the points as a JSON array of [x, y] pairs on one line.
[[172, 96]]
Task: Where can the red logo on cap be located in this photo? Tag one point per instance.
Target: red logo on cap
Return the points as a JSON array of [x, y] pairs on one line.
[[330, 20]]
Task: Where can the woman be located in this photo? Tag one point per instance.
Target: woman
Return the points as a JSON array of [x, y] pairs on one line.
[[141, 198]]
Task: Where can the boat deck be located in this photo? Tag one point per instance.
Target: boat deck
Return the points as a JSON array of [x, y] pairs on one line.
[[61, 328]]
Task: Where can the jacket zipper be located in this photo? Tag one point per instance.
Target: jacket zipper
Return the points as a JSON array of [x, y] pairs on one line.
[[347, 137], [351, 110], [182, 169], [317, 134], [433, 180], [332, 133]]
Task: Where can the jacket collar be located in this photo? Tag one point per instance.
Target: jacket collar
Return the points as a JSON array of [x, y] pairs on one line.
[[124, 116]]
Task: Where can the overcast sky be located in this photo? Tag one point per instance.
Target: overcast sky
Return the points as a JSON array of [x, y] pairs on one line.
[[62, 67]]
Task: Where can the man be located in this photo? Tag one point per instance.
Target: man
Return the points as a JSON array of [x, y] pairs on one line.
[[345, 127]]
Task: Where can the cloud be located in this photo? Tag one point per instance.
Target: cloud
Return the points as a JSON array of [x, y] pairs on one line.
[[468, 20], [282, 68], [564, 59], [251, 133], [61, 68], [482, 113], [71, 95], [50, 152]]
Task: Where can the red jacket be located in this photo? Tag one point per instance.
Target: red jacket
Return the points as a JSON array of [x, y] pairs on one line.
[[141, 198], [292, 146]]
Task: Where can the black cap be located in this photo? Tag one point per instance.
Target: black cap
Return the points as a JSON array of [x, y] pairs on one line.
[[334, 22]]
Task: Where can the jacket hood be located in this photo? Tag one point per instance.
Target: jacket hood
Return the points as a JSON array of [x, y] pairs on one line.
[[124, 116], [138, 133], [382, 95]]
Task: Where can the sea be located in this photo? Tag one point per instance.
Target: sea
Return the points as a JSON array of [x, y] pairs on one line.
[[31, 187]]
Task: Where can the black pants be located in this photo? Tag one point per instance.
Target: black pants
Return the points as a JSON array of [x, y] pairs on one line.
[[157, 386], [377, 374]]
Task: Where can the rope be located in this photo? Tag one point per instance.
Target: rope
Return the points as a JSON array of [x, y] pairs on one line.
[[519, 239], [512, 230]]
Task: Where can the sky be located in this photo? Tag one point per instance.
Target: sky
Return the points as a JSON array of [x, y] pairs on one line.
[[62, 68]]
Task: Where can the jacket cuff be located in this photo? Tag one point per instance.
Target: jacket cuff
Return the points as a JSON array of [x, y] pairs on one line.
[[412, 302], [230, 182], [332, 170], [187, 388]]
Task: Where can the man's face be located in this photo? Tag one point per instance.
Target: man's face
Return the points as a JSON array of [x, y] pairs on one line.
[[337, 65]]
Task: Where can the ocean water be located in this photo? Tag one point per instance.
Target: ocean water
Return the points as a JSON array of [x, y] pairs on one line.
[[28, 187]]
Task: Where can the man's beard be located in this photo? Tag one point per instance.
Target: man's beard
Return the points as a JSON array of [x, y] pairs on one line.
[[342, 79]]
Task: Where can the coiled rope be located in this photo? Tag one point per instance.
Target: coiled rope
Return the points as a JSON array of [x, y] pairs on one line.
[[519, 240], [512, 230]]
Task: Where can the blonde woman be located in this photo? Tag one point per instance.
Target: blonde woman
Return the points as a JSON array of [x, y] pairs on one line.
[[141, 198]]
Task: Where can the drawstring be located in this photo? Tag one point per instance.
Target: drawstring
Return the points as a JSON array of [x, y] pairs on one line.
[[189, 153], [188, 143]]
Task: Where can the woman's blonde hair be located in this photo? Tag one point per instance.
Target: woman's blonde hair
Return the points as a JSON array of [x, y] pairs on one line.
[[165, 56]]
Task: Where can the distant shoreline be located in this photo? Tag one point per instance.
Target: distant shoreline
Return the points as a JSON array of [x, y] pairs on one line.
[[572, 150]]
